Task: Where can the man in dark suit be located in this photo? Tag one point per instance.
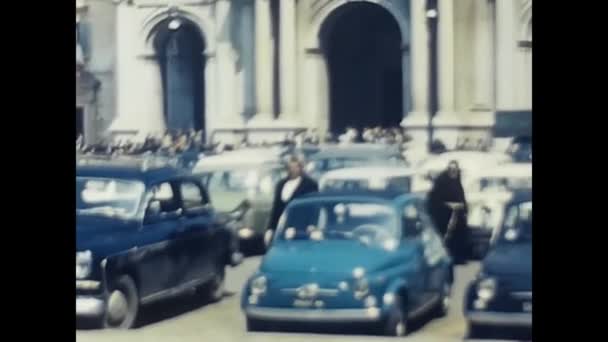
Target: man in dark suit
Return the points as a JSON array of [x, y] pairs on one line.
[[293, 186]]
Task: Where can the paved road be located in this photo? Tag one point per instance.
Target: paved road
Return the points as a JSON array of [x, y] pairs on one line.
[[185, 320]]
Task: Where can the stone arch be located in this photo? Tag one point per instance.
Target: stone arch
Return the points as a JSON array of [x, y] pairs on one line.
[[150, 24], [312, 39]]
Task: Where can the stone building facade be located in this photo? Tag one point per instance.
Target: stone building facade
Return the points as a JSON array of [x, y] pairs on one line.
[[212, 64]]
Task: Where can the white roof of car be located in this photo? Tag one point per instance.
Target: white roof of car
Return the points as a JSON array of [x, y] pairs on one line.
[[241, 158], [507, 170], [468, 160], [368, 172]]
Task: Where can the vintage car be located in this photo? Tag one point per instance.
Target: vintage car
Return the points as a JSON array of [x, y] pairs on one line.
[[388, 178], [145, 231], [351, 257], [333, 157], [469, 161], [501, 295], [241, 184], [490, 190]]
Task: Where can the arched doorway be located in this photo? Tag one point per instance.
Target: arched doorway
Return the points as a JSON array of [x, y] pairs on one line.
[[362, 44], [179, 47]]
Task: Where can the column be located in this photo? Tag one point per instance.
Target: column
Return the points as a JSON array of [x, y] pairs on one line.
[[506, 41], [263, 59], [419, 68], [287, 21], [484, 71], [248, 56], [210, 94], [226, 68], [139, 93], [445, 51], [316, 106], [150, 105]]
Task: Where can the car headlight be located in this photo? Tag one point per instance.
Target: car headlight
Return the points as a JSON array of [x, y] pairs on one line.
[[258, 286], [486, 288], [84, 261], [361, 288]]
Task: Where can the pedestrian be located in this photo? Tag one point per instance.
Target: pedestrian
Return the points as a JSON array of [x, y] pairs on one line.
[[296, 184], [447, 206]]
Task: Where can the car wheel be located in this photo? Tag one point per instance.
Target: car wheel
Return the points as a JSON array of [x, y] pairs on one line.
[[122, 305], [475, 331], [444, 301], [396, 323], [256, 325], [214, 289]]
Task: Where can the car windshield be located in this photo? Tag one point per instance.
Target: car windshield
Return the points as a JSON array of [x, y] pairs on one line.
[[517, 225], [371, 224], [108, 197], [228, 188]]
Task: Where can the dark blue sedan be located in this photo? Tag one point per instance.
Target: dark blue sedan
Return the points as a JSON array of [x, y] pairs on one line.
[[144, 233], [362, 257], [501, 296]]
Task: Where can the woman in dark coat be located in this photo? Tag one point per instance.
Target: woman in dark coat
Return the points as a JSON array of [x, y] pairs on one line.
[[447, 196]]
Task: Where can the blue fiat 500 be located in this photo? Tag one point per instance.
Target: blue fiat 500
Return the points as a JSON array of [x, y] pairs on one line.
[[362, 257], [502, 293]]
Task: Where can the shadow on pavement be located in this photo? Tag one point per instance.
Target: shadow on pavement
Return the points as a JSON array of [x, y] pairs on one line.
[[341, 329], [158, 312], [504, 334]]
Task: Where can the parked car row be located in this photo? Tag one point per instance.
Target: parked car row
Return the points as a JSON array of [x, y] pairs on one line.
[[148, 230]]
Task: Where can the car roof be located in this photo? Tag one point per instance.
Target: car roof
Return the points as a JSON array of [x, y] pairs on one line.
[[465, 158], [354, 150], [369, 172], [248, 157], [360, 194], [506, 170], [147, 170]]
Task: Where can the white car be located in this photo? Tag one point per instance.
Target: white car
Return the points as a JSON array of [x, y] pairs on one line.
[[395, 178], [470, 162], [241, 184], [489, 190]]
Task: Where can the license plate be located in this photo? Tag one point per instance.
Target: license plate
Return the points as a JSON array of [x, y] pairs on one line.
[[300, 303], [527, 307]]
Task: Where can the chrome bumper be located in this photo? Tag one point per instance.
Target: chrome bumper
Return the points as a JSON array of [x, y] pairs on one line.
[[500, 318], [314, 315], [89, 306]]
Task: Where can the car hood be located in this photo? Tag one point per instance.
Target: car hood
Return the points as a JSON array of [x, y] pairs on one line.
[[337, 256], [509, 259], [103, 235]]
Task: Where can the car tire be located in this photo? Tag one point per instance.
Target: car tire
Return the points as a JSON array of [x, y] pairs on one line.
[[213, 291], [396, 323], [443, 306], [254, 325], [475, 331], [122, 305]]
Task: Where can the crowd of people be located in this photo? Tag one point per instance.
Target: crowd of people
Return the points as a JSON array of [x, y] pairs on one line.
[[193, 142]]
